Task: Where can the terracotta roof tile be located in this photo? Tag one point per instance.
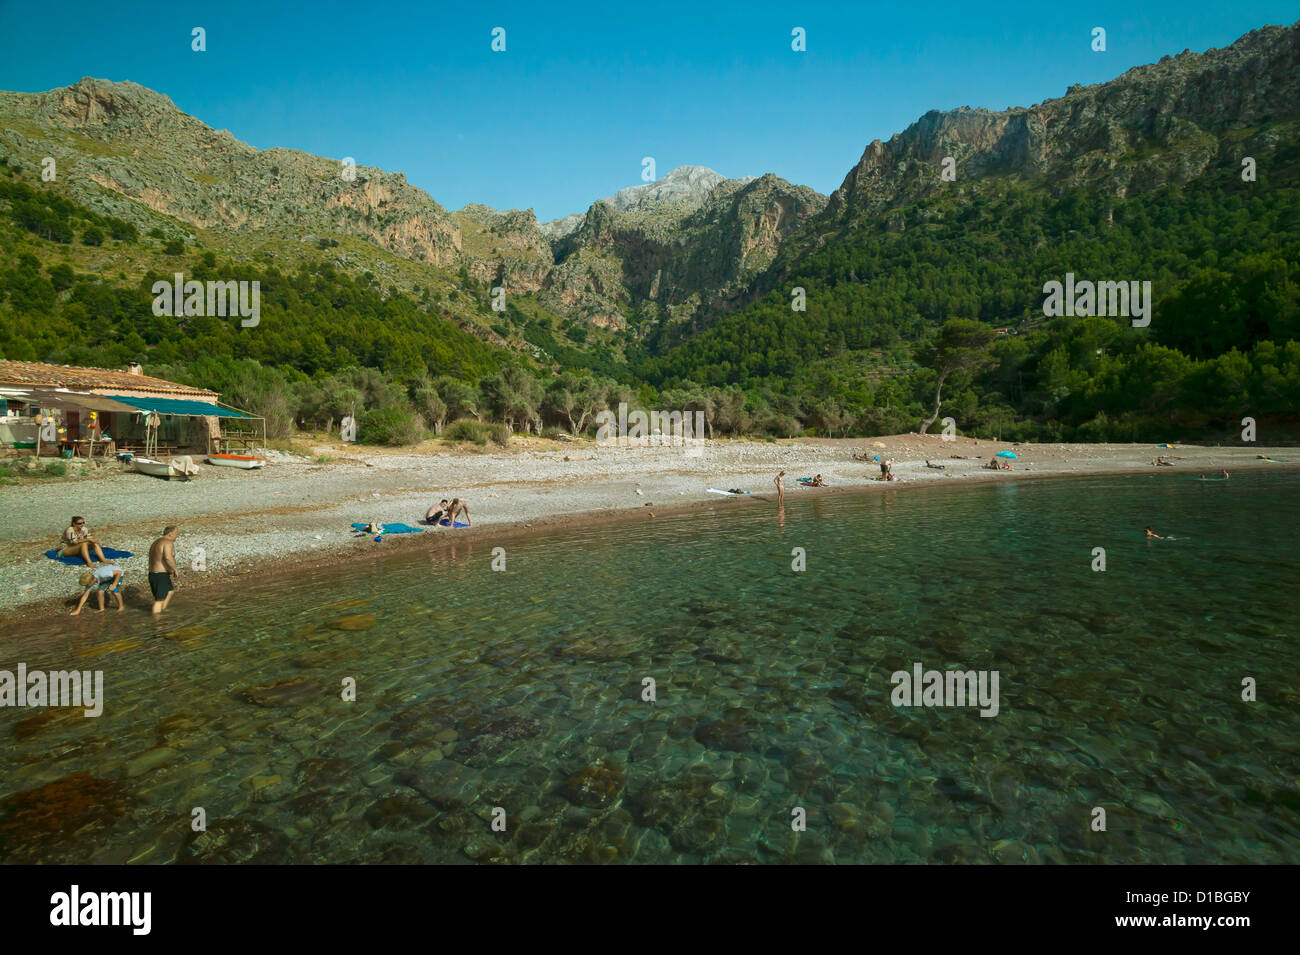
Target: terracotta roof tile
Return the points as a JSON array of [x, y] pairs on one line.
[[92, 379]]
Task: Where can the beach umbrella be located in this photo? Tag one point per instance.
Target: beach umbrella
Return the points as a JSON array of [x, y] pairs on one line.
[[1006, 454]]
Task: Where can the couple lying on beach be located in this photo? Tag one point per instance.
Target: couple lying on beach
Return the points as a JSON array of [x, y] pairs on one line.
[[444, 513]]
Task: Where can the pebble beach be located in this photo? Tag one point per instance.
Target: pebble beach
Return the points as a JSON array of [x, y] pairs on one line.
[[299, 509]]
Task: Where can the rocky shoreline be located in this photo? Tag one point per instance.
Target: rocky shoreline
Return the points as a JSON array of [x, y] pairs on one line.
[[298, 511]]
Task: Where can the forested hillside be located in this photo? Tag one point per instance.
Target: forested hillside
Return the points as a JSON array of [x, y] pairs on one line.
[[908, 297]]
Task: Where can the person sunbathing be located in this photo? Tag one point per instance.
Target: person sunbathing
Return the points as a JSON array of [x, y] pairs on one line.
[[77, 542], [817, 482], [863, 457], [934, 467], [436, 512], [457, 507]]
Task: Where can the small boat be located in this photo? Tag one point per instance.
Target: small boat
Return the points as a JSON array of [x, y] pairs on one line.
[[153, 468], [244, 461]]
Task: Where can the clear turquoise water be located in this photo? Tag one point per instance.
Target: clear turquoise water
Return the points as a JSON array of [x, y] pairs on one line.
[[522, 690]]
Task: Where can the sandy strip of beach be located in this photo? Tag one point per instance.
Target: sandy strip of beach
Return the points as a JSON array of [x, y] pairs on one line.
[[298, 511]]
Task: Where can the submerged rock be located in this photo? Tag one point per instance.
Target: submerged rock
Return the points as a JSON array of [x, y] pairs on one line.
[[48, 717], [727, 735], [235, 841], [354, 621], [490, 738], [151, 760], [59, 817], [348, 604], [331, 656], [594, 786], [189, 633], [292, 692], [101, 649], [398, 812]]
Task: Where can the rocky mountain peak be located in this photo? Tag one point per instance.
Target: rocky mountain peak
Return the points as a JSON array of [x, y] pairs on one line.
[[1158, 123]]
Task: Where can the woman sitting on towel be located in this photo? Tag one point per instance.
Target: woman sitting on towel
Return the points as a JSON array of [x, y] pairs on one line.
[[77, 542]]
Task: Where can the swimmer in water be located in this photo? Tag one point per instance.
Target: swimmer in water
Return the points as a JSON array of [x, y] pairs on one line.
[[1151, 533]]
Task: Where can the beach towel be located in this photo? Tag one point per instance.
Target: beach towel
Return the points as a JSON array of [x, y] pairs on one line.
[[109, 553], [389, 529], [445, 524], [714, 490]]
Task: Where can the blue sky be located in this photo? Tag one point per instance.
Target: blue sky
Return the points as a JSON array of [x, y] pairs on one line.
[[584, 91]]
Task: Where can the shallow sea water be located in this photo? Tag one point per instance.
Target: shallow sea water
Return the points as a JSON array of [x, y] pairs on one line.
[[519, 693]]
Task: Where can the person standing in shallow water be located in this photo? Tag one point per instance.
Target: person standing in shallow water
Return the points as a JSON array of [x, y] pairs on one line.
[[162, 567], [780, 489]]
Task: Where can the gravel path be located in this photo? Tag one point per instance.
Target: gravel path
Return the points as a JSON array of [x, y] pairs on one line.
[[243, 519]]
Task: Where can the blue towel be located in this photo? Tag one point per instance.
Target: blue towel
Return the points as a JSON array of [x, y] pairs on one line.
[[78, 562], [458, 524], [390, 529]]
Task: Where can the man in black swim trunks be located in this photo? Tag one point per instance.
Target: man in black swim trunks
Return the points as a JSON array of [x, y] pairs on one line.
[[162, 567], [434, 514]]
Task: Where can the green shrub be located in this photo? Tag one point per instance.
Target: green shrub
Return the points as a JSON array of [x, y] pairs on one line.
[[467, 429], [500, 434], [92, 235], [174, 247], [392, 425], [56, 469]]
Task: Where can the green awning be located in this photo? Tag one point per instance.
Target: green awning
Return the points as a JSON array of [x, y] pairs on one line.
[[180, 406]]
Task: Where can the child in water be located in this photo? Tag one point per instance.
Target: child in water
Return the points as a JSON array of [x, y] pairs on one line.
[[107, 578]]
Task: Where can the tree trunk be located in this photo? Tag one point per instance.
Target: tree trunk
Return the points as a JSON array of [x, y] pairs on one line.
[[938, 390]]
